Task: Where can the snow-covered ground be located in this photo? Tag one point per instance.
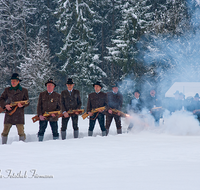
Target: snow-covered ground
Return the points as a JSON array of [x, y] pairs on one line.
[[148, 158]]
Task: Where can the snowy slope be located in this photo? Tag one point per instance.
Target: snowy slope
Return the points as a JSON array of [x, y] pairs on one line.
[[150, 158]]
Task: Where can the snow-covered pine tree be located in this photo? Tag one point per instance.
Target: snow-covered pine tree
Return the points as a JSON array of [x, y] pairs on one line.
[[36, 70], [75, 20], [43, 26], [170, 17], [135, 21], [13, 17], [109, 17]]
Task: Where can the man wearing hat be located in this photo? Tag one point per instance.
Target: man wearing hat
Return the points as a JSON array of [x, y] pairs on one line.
[[70, 100], [115, 101], [153, 104], [14, 93], [95, 100], [136, 105], [48, 101]]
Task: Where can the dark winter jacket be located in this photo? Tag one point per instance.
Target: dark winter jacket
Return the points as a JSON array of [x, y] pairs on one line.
[[96, 100], [72, 101], [10, 95], [194, 105], [115, 100], [152, 102], [48, 103], [136, 105]]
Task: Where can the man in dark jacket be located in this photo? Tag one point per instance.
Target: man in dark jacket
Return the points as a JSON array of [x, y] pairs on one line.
[[48, 101], [11, 94], [153, 104], [95, 100], [115, 100], [70, 100], [136, 105]]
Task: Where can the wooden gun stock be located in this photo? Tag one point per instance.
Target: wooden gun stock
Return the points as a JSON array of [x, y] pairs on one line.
[[93, 111], [46, 114], [73, 112], [15, 105], [122, 114], [24, 102], [85, 115], [156, 108], [35, 118]]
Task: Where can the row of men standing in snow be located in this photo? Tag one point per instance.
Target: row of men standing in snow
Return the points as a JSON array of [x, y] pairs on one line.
[[49, 101], [69, 99]]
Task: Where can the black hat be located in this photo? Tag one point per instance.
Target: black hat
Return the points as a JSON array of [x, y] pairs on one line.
[[153, 89], [15, 76], [70, 81], [50, 81], [177, 92], [136, 91], [196, 95], [115, 85], [98, 83]]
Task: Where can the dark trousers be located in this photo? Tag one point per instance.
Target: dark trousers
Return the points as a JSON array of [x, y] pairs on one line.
[[101, 120], [157, 116], [117, 119], [43, 126], [65, 121]]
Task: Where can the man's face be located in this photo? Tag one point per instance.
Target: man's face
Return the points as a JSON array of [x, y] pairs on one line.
[[70, 86], [152, 93], [97, 88], [14, 82], [115, 89], [50, 87], [137, 95], [196, 98]]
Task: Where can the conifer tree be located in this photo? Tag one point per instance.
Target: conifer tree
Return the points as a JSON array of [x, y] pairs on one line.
[[36, 70], [135, 21], [76, 20]]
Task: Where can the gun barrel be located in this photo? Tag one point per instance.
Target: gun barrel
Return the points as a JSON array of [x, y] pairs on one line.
[[21, 102], [46, 114]]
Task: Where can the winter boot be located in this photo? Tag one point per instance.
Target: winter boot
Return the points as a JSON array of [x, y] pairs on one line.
[[76, 133], [55, 138], [119, 131], [4, 139], [63, 135], [90, 133], [107, 131], [40, 138], [104, 133], [22, 138]]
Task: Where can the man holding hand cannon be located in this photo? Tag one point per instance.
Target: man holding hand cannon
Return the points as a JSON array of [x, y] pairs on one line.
[[48, 101], [115, 100], [96, 100], [14, 114]]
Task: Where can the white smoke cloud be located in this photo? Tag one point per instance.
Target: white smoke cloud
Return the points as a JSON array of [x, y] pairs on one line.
[[181, 123]]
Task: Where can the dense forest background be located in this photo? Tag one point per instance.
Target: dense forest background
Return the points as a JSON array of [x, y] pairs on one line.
[[140, 44]]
